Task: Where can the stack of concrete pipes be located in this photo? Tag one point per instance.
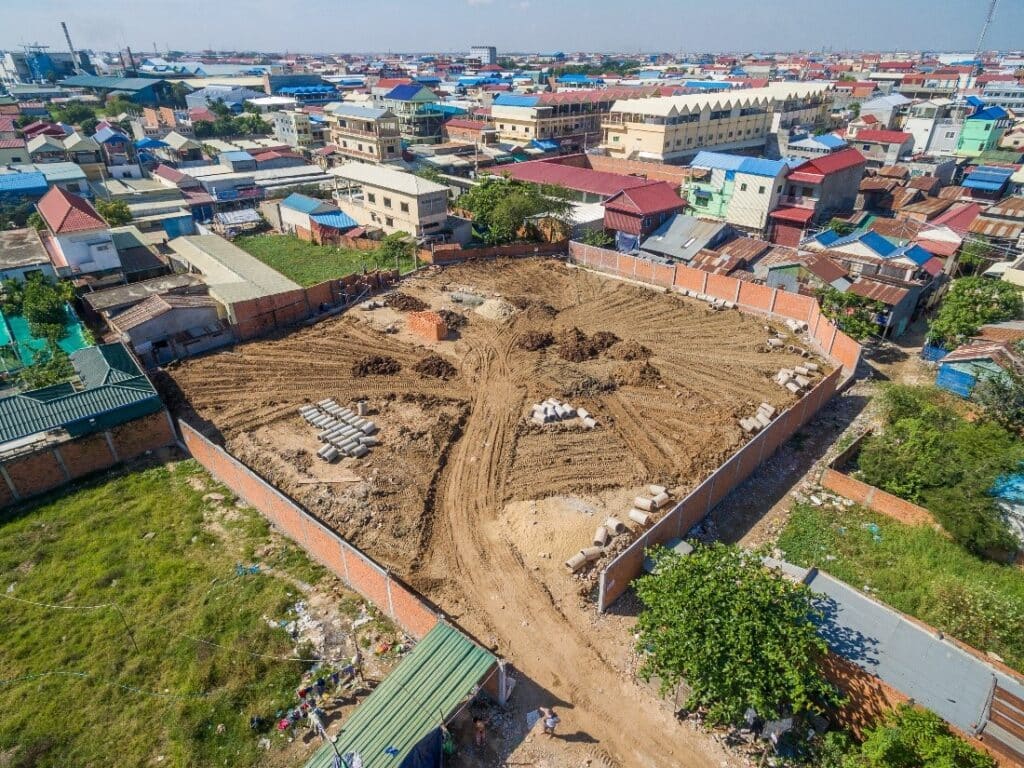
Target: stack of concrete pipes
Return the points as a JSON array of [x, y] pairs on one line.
[[552, 410], [798, 378], [796, 326], [644, 506], [343, 431], [713, 302], [761, 419]]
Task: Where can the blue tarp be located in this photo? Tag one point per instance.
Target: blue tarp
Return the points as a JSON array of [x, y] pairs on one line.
[[932, 353], [546, 145], [957, 382]]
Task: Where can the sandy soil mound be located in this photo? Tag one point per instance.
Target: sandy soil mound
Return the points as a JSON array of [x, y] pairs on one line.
[[531, 341], [628, 350], [575, 346], [496, 309], [637, 373], [452, 320]]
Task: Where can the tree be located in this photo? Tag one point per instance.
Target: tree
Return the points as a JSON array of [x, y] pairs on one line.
[[73, 113], [220, 109], [854, 110], [430, 173], [971, 303], [1002, 397], [46, 371], [114, 212], [394, 249], [908, 737], [252, 124], [88, 126], [974, 254], [203, 129], [740, 635], [500, 207], [841, 227], [598, 237], [855, 315], [35, 221], [117, 105]]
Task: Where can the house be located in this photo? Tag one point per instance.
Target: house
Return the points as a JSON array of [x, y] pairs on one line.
[[108, 302], [76, 238], [881, 147], [53, 435], [395, 201], [587, 184], [365, 134], [182, 148], [293, 128], [465, 131], [22, 255], [682, 237], [13, 151], [807, 147], [885, 110], [140, 90], [982, 129], [987, 182], [59, 174], [116, 146], [302, 216], [1001, 224], [45, 149], [139, 259], [898, 302], [15, 186], [935, 126], [85, 152], [42, 127], [815, 191], [740, 190], [231, 96], [169, 327], [962, 369], [419, 121], [633, 214]]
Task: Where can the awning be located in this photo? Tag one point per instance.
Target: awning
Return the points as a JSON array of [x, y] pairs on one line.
[[792, 213], [443, 669]]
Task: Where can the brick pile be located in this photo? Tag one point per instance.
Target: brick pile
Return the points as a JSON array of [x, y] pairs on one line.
[[429, 325]]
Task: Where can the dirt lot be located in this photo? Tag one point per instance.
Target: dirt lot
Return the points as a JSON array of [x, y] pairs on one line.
[[473, 503]]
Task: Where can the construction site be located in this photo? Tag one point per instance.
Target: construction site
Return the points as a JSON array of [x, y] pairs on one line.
[[493, 433]]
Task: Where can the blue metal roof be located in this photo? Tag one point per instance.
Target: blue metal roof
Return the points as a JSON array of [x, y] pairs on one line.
[[546, 145], [292, 90], [149, 143], [759, 166], [22, 182], [988, 178], [914, 252], [877, 243], [404, 92], [336, 220], [707, 85], [514, 100], [109, 135], [237, 156], [989, 113], [830, 140], [974, 101], [303, 203], [827, 237], [718, 160]]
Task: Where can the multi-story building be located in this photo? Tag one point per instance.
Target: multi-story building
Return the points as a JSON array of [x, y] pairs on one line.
[[982, 130], [935, 126], [76, 238], [880, 147], [486, 54], [669, 129], [365, 134], [739, 190], [293, 127], [395, 201], [1008, 95], [419, 120]]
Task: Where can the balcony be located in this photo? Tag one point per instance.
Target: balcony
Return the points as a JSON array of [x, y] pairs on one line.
[[798, 201], [383, 134]]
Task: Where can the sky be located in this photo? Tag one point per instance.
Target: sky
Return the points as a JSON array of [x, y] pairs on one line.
[[512, 25]]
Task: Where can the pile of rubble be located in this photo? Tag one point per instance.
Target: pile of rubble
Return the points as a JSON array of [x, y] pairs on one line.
[[552, 410], [344, 432], [640, 514]]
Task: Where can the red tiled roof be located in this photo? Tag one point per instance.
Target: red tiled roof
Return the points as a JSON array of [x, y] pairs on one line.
[[173, 175], [653, 198], [868, 119], [274, 154], [824, 268], [882, 137], [999, 352], [12, 143], [792, 213], [580, 179], [65, 212], [7, 123], [943, 248], [392, 82], [201, 115], [826, 164]]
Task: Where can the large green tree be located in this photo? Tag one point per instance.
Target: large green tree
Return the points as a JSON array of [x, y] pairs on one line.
[[909, 737], [1002, 397], [971, 303], [739, 634], [852, 313], [501, 207]]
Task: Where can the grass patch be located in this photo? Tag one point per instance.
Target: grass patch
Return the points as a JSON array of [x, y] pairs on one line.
[[916, 570], [76, 691], [308, 263]]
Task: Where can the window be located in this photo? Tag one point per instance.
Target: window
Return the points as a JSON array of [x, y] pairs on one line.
[[391, 147], [387, 202], [950, 134], [370, 197], [865, 146], [743, 187], [404, 207], [760, 190], [360, 147], [615, 138], [806, 191], [388, 221]]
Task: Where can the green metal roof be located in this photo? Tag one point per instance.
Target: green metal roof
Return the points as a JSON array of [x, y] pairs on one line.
[[115, 391], [442, 670]]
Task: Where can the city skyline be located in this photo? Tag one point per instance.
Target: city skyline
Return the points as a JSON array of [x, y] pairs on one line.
[[516, 26]]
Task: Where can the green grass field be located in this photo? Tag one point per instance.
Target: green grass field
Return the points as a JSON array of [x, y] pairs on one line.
[[917, 570], [307, 263], [74, 690]]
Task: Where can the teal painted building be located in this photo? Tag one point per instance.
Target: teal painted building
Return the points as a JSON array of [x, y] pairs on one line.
[[982, 131]]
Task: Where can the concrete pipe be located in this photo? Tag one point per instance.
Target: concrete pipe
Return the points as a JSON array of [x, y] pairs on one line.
[[654, 490], [322, 403], [812, 367], [323, 450], [660, 500], [762, 420], [748, 425], [801, 370], [793, 388], [369, 440], [592, 553], [332, 454], [614, 525], [361, 408], [582, 413], [775, 343], [359, 451], [641, 502], [576, 562], [767, 409], [802, 381], [783, 380], [791, 348], [368, 428], [638, 516], [600, 536], [589, 422]]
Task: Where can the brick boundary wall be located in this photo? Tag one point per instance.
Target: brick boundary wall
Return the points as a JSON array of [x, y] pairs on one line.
[[749, 297], [448, 254], [34, 473]]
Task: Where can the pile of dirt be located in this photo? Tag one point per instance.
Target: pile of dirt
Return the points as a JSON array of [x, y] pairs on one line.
[[587, 386], [376, 365], [628, 350], [452, 320], [496, 309], [637, 373], [537, 310], [575, 346], [435, 367], [531, 341], [403, 302]]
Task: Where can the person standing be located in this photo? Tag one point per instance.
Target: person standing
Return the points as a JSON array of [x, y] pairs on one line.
[[551, 720]]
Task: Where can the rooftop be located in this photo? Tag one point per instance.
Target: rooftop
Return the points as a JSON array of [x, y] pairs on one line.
[[580, 179], [387, 178], [157, 305], [651, 198], [65, 212], [21, 248], [120, 295], [231, 274]]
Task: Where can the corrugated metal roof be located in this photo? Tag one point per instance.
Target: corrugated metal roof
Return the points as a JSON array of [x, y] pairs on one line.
[[335, 220], [718, 160], [305, 204], [444, 668], [22, 182]]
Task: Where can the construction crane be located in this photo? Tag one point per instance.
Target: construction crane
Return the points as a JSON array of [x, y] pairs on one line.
[[984, 29], [71, 49]]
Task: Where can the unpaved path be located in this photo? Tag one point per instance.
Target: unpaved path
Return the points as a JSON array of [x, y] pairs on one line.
[[470, 566]]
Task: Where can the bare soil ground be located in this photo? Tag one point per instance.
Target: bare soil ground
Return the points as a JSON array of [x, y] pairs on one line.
[[474, 504]]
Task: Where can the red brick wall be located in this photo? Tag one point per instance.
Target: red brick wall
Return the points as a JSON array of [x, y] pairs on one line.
[[349, 564], [793, 305], [876, 499], [145, 434], [88, 454], [756, 296], [451, 255], [36, 473], [722, 287], [690, 279]]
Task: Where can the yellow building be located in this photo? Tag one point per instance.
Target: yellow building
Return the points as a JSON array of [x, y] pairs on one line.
[[363, 133], [671, 128]]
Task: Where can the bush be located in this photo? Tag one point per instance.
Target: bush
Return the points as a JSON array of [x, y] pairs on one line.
[[114, 212], [971, 303], [908, 737]]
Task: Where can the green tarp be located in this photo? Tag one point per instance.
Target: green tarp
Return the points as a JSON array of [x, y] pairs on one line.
[[440, 672]]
